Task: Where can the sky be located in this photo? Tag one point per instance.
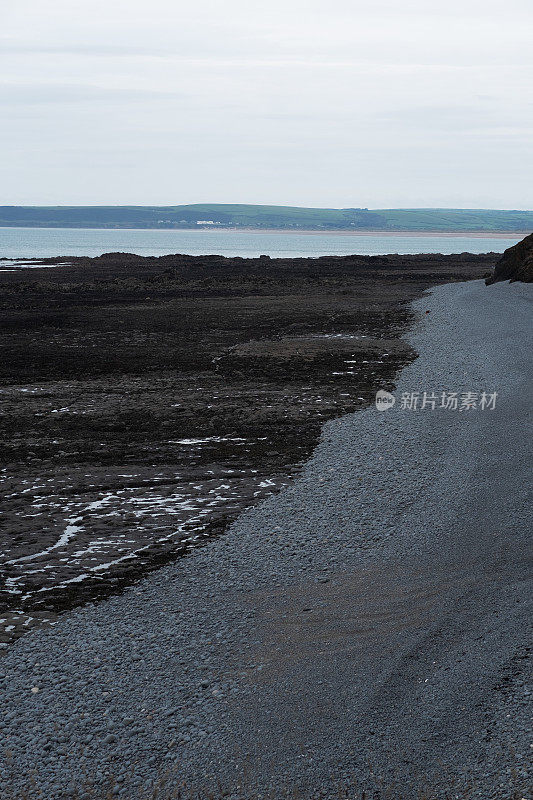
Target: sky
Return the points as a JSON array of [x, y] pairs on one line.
[[378, 104]]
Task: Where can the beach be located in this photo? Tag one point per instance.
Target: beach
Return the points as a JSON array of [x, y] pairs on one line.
[[362, 630], [147, 403]]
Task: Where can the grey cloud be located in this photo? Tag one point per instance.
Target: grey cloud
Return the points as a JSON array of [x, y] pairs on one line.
[[479, 115], [412, 103], [39, 94]]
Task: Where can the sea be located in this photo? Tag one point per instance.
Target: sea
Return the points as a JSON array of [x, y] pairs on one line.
[[42, 242]]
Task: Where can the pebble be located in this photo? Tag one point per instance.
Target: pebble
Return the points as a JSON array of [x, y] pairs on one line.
[[86, 664]]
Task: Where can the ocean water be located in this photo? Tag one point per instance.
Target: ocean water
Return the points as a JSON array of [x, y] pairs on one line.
[[41, 242]]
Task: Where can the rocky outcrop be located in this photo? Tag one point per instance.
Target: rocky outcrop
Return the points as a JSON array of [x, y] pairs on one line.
[[516, 264]]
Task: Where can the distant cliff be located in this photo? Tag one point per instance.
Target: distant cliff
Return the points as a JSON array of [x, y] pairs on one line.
[[516, 264]]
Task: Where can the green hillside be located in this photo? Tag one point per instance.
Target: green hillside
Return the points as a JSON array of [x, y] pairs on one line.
[[252, 216]]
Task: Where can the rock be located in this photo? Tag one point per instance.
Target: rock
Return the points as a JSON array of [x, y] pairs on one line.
[[516, 264]]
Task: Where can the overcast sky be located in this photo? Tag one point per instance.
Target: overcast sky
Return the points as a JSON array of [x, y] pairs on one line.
[[381, 103]]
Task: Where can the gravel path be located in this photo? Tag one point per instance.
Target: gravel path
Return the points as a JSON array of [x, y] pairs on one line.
[[365, 628]]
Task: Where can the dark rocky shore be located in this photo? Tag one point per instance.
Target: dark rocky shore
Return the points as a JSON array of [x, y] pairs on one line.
[[147, 401], [516, 264], [364, 634]]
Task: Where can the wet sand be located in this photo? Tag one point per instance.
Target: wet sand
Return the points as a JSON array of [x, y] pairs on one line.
[[512, 235]]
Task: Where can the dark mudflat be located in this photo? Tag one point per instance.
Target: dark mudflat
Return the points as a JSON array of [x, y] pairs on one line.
[[147, 401]]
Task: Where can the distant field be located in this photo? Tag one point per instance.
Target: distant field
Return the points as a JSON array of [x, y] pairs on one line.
[[281, 217]]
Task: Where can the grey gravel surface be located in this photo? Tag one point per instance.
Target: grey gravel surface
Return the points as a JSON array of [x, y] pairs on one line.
[[364, 630]]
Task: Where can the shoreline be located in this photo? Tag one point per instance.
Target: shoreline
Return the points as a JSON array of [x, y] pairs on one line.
[[351, 623], [291, 231], [410, 234], [110, 414]]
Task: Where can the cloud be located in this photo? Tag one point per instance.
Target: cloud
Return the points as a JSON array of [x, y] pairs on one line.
[[301, 102], [44, 93]]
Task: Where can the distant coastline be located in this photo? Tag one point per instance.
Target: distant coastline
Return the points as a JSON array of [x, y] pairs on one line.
[[348, 232], [286, 219], [484, 234]]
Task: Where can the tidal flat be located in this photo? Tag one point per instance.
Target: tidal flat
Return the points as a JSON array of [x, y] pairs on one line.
[[146, 402]]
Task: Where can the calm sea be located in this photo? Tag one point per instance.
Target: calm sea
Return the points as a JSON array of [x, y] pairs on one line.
[[35, 242]]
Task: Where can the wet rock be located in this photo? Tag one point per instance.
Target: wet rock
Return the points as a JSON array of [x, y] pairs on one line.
[[516, 264]]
